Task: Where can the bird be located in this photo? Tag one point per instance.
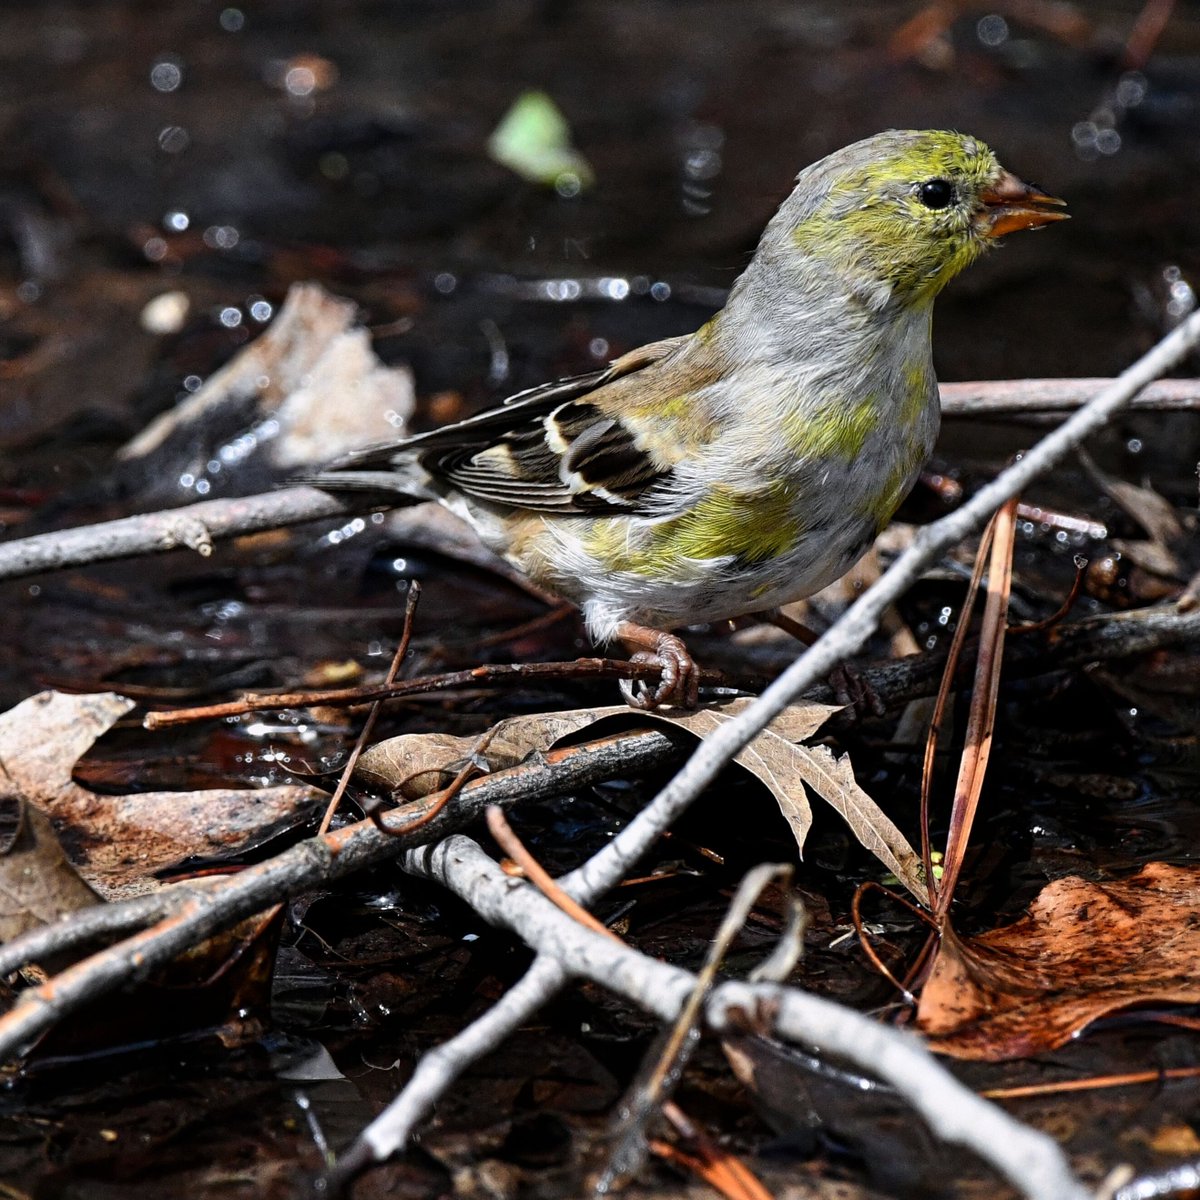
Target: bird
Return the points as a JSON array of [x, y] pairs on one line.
[[750, 463]]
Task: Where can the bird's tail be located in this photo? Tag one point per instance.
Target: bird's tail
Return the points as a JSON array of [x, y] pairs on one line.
[[397, 479]]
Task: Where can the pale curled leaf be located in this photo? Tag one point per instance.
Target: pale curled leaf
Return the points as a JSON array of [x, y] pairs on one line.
[[413, 762], [774, 757]]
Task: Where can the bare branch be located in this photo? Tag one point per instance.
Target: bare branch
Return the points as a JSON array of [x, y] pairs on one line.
[[198, 526], [1019, 397], [195, 526], [1030, 1160], [853, 628]]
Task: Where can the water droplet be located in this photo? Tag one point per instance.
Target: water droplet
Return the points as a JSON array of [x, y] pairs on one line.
[[992, 30], [173, 139], [300, 81], [166, 75]]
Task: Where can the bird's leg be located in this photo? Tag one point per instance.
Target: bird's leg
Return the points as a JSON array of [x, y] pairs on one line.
[[679, 683], [849, 687]]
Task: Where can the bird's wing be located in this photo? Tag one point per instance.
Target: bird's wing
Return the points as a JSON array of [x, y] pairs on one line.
[[554, 448]]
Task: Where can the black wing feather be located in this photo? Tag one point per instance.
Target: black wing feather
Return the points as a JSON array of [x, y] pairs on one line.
[[505, 456]]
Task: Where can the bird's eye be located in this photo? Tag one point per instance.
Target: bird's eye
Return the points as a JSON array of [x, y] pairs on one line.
[[936, 193]]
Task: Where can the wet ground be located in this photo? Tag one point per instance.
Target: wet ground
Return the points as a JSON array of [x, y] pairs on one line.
[[226, 152]]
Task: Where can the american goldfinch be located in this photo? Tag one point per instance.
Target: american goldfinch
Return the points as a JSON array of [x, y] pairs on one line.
[[753, 462]]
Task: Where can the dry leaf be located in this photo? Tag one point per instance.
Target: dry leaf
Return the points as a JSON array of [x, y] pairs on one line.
[[775, 757], [307, 390], [37, 883], [118, 842], [1083, 950]]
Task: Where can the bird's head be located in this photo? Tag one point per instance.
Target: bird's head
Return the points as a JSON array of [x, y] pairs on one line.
[[901, 213]]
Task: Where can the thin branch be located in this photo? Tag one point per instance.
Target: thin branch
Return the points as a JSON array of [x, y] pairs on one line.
[[410, 613], [981, 719], [853, 628], [440, 1067], [945, 689], [659, 1078], [195, 526], [508, 841], [1030, 1160], [491, 673], [1021, 397], [187, 913], [200, 525]]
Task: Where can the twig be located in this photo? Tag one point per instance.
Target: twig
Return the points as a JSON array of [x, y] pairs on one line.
[[648, 1093], [493, 673], [741, 1180], [193, 525], [945, 688], [1019, 397], [512, 845], [200, 525], [982, 717], [1092, 1084], [440, 1067], [1030, 1160], [410, 613], [189, 912], [853, 628]]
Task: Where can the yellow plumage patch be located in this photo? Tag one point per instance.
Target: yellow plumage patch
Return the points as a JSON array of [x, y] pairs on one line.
[[885, 502], [836, 430], [750, 527], [916, 388]]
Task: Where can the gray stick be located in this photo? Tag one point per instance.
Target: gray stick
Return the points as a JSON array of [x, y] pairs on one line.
[[1029, 1159]]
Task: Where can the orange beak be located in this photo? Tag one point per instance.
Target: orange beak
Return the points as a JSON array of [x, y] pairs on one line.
[[1011, 204]]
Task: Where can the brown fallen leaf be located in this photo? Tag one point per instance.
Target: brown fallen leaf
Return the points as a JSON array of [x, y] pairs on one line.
[[37, 883], [117, 843], [1083, 950], [421, 763]]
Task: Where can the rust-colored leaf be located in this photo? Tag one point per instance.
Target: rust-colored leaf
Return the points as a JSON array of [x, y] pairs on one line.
[[1083, 950]]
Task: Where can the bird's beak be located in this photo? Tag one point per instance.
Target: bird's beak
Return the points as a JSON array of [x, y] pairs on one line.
[[1011, 204]]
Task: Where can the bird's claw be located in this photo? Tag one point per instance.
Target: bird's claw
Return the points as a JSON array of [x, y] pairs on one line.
[[679, 679], [851, 689]]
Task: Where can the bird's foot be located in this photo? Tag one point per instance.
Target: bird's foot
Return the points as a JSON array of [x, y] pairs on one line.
[[850, 687], [679, 679]]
